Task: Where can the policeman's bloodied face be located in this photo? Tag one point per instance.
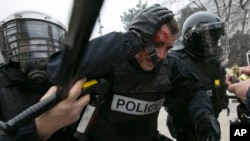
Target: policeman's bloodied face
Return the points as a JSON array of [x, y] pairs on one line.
[[162, 42]]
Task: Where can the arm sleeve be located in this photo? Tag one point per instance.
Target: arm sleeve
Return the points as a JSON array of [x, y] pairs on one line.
[[25, 133], [248, 100], [222, 97], [100, 56], [188, 97]]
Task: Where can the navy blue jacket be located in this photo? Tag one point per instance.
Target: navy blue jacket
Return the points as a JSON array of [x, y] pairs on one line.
[[104, 54], [186, 96], [17, 93], [248, 100]]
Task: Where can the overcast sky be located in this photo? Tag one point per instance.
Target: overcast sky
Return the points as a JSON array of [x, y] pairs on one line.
[[61, 10]]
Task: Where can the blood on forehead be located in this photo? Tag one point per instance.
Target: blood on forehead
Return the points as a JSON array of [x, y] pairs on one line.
[[163, 35]]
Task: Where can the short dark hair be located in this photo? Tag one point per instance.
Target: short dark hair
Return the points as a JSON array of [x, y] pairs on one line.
[[173, 25]]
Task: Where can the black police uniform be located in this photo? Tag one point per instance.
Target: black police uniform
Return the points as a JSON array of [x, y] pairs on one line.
[[17, 93], [207, 71], [132, 105]]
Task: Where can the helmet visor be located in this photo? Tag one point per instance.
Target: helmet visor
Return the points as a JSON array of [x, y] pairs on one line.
[[213, 39], [30, 39]]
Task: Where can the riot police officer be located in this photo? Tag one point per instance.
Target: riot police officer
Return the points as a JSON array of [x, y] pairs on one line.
[[143, 78], [27, 39], [198, 48], [130, 109]]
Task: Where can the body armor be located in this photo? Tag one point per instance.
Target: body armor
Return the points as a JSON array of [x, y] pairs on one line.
[[139, 100]]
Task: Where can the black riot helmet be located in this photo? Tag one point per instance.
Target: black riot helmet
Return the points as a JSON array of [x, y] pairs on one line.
[[28, 38], [201, 34]]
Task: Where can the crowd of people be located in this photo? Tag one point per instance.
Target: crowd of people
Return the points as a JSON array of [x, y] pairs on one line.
[[147, 68]]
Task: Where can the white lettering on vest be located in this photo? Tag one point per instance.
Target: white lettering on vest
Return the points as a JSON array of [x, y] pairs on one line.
[[210, 92], [135, 106]]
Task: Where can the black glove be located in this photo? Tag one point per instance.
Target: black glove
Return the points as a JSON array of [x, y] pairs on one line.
[[173, 128], [207, 128], [148, 21]]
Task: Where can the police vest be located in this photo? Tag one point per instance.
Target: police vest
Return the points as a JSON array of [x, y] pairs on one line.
[[133, 107]]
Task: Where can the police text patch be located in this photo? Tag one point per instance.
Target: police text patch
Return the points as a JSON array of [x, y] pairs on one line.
[[135, 106]]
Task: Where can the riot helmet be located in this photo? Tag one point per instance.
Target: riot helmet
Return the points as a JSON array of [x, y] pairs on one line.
[[201, 34], [29, 38]]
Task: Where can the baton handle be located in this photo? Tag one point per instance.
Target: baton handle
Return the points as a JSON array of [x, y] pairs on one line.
[[10, 127]]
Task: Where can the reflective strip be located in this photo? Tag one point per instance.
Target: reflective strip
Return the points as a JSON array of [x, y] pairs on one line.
[[85, 118], [209, 92], [134, 106]]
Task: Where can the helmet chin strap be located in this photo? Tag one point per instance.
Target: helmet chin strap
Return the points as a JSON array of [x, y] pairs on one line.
[[153, 54]]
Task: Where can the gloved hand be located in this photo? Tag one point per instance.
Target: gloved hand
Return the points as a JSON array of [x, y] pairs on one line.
[[207, 128], [173, 128], [149, 21]]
